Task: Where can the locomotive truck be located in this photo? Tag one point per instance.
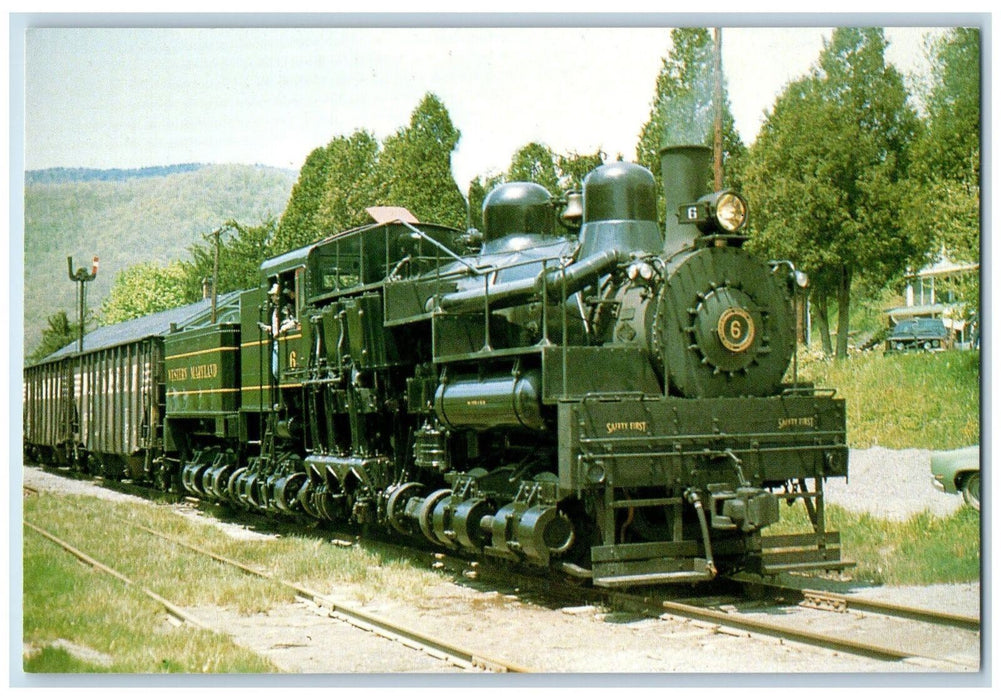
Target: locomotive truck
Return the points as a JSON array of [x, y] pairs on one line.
[[572, 388]]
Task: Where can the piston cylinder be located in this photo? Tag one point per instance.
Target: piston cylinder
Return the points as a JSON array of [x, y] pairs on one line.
[[534, 533]]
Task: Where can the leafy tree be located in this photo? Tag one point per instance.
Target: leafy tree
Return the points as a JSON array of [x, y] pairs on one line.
[[946, 165], [242, 249], [353, 183], [535, 162], [413, 170], [59, 333], [574, 167], [683, 110], [298, 224], [144, 289], [950, 146], [416, 165], [827, 175], [337, 182]]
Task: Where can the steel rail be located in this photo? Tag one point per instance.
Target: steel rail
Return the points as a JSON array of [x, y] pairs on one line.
[[841, 602], [785, 632], [647, 604], [772, 629], [920, 614], [411, 638], [175, 610], [654, 605]]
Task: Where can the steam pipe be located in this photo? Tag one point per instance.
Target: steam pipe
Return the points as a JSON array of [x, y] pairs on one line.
[[570, 279]]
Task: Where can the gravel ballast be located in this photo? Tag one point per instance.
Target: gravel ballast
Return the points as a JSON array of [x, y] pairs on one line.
[[891, 484]]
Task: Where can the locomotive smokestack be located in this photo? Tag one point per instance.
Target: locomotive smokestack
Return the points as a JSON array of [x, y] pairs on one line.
[[686, 172]]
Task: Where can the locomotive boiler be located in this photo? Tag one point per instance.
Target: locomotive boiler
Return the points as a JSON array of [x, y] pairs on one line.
[[579, 390]]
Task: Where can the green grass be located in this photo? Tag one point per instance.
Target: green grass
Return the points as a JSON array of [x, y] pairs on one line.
[[66, 600], [924, 549], [922, 400], [53, 659]]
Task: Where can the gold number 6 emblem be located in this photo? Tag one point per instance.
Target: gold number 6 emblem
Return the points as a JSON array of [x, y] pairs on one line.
[[735, 329]]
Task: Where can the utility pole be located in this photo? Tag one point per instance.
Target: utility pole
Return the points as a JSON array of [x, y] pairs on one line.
[[718, 108], [82, 277], [228, 226], [215, 272]]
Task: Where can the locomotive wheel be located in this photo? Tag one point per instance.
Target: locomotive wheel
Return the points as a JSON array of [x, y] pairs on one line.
[[287, 491], [305, 498], [466, 522], [329, 505], [232, 486], [220, 478], [426, 516], [396, 504]]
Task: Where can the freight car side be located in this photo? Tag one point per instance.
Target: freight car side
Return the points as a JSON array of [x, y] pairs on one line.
[[50, 414], [102, 409]]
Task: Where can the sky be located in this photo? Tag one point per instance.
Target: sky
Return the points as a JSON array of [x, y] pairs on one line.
[[127, 98]]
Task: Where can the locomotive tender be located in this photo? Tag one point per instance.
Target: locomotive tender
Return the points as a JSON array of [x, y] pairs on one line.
[[607, 400]]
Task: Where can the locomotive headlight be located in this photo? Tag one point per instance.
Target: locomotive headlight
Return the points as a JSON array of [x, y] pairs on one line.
[[719, 212], [731, 211]]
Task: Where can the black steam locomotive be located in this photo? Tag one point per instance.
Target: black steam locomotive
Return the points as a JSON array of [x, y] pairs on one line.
[[573, 388]]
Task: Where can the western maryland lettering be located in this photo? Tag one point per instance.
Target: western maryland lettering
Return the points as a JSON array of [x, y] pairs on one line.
[[207, 370]]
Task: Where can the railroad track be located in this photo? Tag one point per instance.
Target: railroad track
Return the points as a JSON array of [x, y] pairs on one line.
[[412, 639], [838, 640], [842, 603], [727, 615]]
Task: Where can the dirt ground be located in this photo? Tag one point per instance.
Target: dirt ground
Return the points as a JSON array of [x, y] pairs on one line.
[[300, 639]]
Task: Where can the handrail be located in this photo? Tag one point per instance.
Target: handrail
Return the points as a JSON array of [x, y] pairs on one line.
[[565, 280], [423, 236]]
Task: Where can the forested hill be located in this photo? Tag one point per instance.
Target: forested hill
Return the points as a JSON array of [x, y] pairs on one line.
[[53, 176], [126, 217]]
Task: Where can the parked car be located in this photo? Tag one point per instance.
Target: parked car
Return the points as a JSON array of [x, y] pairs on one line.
[[918, 334], [958, 471]]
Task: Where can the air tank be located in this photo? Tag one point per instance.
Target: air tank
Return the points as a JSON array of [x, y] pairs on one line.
[[498, 401]]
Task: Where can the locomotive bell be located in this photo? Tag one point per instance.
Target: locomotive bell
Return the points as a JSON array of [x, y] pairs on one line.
[[573, 213]]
